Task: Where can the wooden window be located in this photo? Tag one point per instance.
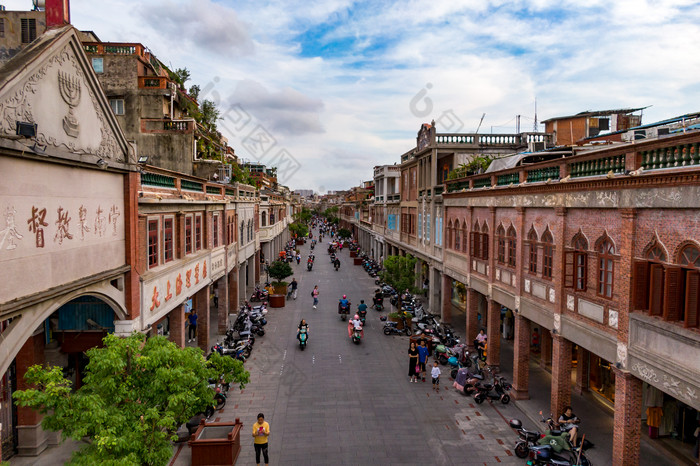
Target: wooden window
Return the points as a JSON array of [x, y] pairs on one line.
[[2, 27], [547, 260], [512, 238], [690, 256], [500, 238], [606, 268], [198, 232], [673, 293], [576, 265], [188, 234], [215, 232], [152, 243], [532, 252], [28, 29], [656, 289], [484, 244], [692, 301], [464, 237], [640, 285], [457, 234], [168, 239], [472, 243]]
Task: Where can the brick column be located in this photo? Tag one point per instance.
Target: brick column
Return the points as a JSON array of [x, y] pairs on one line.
[[521, 358], [472, 317], [545, 348], [582, 360], [177, 326], [222, 310], [446, 298], [561, 374], [257, 267], [233, 290], [201, 304], [493, 350], [628, 419], [31, 440]]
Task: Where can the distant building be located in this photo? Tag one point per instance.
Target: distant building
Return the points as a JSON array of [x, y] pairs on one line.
[[569, 130]]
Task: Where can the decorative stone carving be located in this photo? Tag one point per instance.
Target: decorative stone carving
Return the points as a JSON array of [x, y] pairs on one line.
[[552, 295], [645, 372], [679, 389], [570, 302], [622, 354], [612, 318], [557, 323], [527, 285], [498, 274], [512, 280], [69, 87]]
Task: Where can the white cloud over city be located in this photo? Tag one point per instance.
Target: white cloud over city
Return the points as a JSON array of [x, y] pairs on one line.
[[332, 80]]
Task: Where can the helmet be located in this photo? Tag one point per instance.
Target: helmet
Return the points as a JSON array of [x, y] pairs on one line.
[[356, 317], [344, 296]]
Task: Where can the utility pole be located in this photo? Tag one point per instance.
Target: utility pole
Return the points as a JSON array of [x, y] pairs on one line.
[[517, 124], [534, 129]]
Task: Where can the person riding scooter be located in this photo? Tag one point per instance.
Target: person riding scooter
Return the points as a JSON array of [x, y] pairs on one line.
[[378, 300], [336, 263], [355, 324], [362, 311], [303, 325]]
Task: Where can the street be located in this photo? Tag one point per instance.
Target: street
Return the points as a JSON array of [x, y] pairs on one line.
[[341, 403]]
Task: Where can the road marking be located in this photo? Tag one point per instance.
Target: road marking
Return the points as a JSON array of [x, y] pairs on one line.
[[284, 356], [340, 360], [313, 359], [281, 369]]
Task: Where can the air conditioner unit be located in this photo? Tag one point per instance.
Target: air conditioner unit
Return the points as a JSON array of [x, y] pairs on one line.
[[536, 146]]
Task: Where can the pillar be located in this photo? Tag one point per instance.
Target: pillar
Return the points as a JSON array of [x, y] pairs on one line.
[[201, 303], [561, 374], [222, 309], [233, 291], [472, 310], [493, 350], [545, 348], [627, 420], [31, 438], [177, 326], [521, 358], [257, 267], [446, 314], [435, 290], [582, 373]]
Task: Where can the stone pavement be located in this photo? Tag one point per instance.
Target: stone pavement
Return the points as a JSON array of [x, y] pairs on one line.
[[339, 403]]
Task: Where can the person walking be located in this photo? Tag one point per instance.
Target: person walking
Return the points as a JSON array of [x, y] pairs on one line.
[[261, 431], [295, 286], [315, 294], [216, 298], [435, 373], [422, 358], [192, 333], [413, 362]]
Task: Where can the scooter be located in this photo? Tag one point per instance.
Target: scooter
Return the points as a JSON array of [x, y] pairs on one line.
[[363, 316], [309, 266], [343, 311], [495, 391], [391, 328], [356, 335], [526, 438], [303, 337], [337, 266]]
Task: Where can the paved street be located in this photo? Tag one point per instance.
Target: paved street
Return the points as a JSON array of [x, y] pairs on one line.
[[339, 403]]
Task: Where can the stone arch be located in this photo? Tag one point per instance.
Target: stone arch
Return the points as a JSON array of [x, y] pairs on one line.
[[678, 253], [547, 236], [605, 237], [476, 226], [532, 234], [580, 241], [656, 242], [500, 230]]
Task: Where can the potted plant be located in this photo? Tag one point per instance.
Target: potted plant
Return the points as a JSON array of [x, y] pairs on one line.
[[279, 270]]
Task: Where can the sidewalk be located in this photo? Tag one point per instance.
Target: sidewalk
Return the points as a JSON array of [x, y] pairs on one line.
[[596, 415]]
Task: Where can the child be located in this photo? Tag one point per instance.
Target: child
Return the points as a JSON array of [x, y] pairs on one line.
[[435, 372]]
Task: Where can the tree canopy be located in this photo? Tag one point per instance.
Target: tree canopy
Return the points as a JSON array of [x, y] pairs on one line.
[[298, 229], [400, 272], [135, 394], [344, 233], [280, 270]]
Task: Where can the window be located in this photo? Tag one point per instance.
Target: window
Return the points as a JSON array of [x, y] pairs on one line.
[[98, 65], [188, 234], [198, 232], [532, 246], [117, 106], [576, 264], [264, 219], [512, 239], [547, 254], [479, 242], [168, 239], [215, 232], [152, 243], [2, 27], [28, 26], [457, 234], [606, 268], [427, 227], [242, 228], [501, 239], [420, 225]]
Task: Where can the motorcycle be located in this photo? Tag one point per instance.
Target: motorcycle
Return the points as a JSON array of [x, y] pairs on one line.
[[392, 328], [303, 337], [495, 391], [259, 294], [343, 311], [467, 380]]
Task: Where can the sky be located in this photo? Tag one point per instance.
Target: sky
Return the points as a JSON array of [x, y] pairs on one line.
[[328, 89]]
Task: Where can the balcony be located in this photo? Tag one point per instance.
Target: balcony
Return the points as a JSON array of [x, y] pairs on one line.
[[114, 48], [153, 82], [393, 197], [480, 140], [166, 125]]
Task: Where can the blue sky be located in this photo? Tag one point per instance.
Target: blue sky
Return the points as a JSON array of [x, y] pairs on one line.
[[342, 85]]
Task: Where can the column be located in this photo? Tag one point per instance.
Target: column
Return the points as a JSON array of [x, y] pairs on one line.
[[222, 309], [233, 290], [545, 348], [31, 438], [446, 314], [177, 326], [582, 374], [627, 420], [521, 358], [435, 290], [561, 374], [257, 267], [472, 310], [200, 302], [493, 350]]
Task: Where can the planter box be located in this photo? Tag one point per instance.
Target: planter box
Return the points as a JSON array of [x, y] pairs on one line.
[[357, 261], [300, 242], [353, 253], [216, 443], [280, 289], [277, 300], [399, 322]]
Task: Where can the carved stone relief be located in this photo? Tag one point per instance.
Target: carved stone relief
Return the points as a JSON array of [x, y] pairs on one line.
[[527, 285], [622, 354], [552, 295], [645, 372], [557, 323], [612, 318]]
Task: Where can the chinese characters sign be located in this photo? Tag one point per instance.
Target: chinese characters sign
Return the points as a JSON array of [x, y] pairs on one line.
[[165, 292]]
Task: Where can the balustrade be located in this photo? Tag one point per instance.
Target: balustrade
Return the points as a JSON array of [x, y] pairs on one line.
[[595, 167], [682, 155], [482, 182], [508, 178], [543, 174]]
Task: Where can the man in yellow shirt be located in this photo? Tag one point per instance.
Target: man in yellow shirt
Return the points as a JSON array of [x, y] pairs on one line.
[[261, 430]]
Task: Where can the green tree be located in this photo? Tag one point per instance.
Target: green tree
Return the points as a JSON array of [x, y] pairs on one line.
[[344, 233], [303, 216], [298, 229], [400, 272], [209, 114], [279, 270], [194, 91], [181, 75], [135, 394]]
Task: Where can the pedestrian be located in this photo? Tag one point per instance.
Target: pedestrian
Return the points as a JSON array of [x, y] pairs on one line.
[[536, 340], [294, 286], [422, 358], [413, 362], [261, 431], [480, 343], [425, 287], [435, 373], [216, 298], [507, 322], [192, 333], [315, 293]]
